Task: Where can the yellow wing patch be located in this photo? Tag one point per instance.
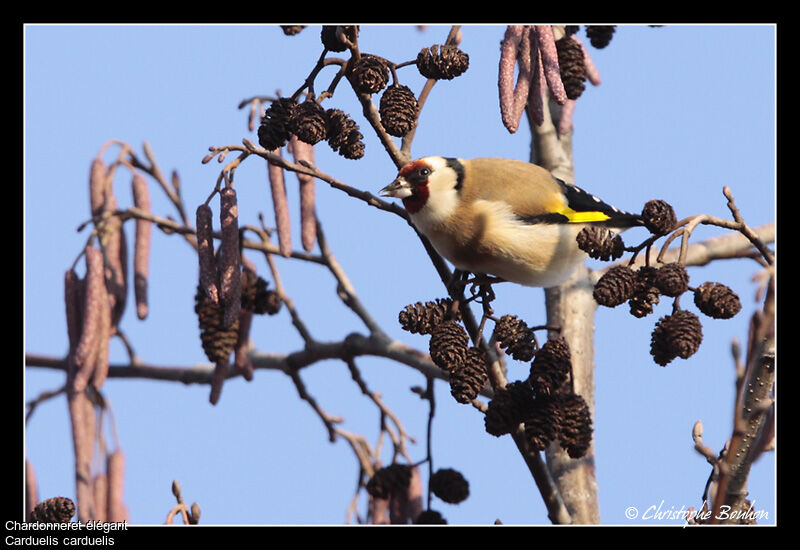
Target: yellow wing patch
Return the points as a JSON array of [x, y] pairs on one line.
[[574, 216]]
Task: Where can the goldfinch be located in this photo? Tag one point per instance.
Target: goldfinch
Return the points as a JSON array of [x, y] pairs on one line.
[[500, 217]]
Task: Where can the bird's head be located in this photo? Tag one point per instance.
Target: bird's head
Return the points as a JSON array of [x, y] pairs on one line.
[[432, 181]]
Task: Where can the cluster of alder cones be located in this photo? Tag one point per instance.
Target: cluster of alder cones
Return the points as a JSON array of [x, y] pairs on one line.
[[368, 74], [394, 480], [544, 402], [680, 333]]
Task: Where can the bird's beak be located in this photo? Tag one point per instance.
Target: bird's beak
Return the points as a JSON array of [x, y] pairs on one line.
[[399, 189]]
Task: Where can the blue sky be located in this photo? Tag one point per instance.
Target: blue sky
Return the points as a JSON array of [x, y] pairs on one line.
[[682, 111]]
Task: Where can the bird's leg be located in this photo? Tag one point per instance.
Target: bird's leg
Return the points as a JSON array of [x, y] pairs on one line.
[[486, 295], [485, 280], [458, 281]]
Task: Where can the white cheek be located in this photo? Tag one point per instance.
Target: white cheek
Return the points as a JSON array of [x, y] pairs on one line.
[[438, 209]]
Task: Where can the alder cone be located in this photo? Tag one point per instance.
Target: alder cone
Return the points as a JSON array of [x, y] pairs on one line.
[[516, 337], [54, 510], [392, 479], [571, 65], [448, 345], [659, 217], [308, 122], [398, 110], [218, 340], [542, 423], [442, 62], [551, 367], [615, 287], [576, 425], [508, 408], [600, 243], [274, 130], [676, 335], [422, 318], [369, 74], [467, 380], [449, 485], [717, 300]]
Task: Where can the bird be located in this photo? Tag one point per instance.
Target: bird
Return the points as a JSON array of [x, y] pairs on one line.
[[504, 218]]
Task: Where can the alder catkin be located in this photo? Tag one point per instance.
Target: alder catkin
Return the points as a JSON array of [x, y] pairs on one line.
[[82, 420], [104, 332], [31, 492], [509, 48], [535, 103], [209, 275], [115, 469], [115, 248], [230, 277], [308, 220], [217, 379], [280, 205], [241, 361], [515, 50], [91, 319], [549, 53], [97, 186], [141, 255], [73, 305], [100, 493]]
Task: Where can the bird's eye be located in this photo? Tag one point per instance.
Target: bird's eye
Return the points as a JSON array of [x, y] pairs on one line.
[[425, 172]]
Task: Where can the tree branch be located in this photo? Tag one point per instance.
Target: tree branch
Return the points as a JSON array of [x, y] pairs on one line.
[[570, 307], [354, 345]]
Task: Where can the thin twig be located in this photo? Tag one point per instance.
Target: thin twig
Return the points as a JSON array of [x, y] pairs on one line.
[[41, 398], [345, 289]]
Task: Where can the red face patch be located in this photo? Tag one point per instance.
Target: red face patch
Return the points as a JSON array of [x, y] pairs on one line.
[[411, 172], [416, 201]]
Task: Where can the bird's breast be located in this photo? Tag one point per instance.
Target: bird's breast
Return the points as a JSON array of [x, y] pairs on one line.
[[488, 238]]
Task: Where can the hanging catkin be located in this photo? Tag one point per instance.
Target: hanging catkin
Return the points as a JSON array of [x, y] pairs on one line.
[[31, 492], [209, 274], [104, 332], [73, 303], [115, 249], [141, 254], [97, 186], [112, 237], [515, 48], [86, 350], [82, 421], [280, 205], [549, 53], [241, 361], [230, 277], [535, 95], [115, 469], [217, 380], [100, 495], [308, 220]]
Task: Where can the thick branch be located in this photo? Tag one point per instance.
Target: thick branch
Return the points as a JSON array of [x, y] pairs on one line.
[[750, 413], [570, 307]]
